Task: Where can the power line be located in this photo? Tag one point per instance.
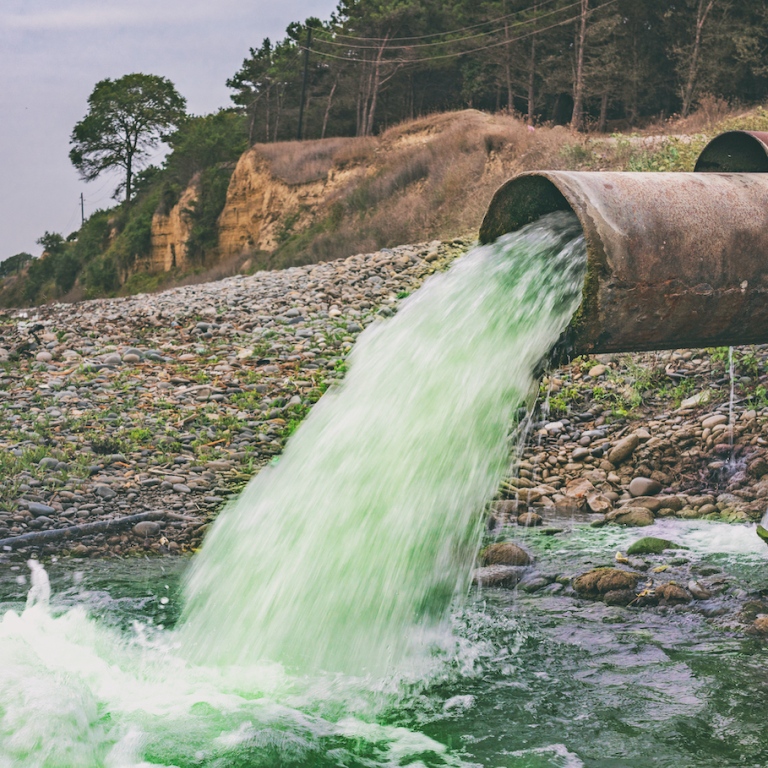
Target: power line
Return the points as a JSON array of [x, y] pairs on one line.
[[438, 34], [473, 50], [444, 42]]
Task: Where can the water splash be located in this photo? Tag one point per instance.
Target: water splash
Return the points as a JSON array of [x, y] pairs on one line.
[[343, 554]]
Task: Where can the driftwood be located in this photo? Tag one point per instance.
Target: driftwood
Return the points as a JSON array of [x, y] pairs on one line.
[[35, 538]]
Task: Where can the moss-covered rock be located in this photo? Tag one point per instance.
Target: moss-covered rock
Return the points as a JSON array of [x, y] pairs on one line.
[[650, 545]]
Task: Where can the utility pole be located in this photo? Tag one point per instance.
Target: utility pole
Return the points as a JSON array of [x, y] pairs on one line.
[[299, 133], [82, 209]]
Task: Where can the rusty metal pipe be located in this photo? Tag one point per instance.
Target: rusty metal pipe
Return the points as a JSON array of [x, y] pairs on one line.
[[674, 259]]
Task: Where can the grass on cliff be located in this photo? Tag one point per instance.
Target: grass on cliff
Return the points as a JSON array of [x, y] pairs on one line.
[[433, 178]]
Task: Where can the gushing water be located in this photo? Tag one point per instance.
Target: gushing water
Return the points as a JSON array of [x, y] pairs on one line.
[[342, 558], [354, 544]]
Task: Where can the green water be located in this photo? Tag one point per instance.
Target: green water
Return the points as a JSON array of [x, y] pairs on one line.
[[320, 601], [523, 681], [347, 553], [327, 621]]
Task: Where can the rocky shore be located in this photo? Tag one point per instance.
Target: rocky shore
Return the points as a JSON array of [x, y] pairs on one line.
[[628, 441], [128, 423]]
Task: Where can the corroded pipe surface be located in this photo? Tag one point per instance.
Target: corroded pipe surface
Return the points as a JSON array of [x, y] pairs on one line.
[[735, 152], [674, 259]]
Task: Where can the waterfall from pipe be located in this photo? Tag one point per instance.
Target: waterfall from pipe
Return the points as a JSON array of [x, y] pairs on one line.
[[307, 605], [347, 551]]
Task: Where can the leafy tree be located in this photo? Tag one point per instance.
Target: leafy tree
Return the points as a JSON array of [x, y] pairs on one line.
[[14, 264], [127, 118]]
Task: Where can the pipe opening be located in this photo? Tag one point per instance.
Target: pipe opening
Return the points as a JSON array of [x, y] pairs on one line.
[[735, 152], [519, 202], [673, 259]]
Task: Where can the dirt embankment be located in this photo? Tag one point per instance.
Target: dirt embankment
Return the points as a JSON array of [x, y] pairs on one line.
[[305, 202]]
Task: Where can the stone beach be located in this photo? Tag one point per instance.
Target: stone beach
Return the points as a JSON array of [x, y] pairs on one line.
[[128, 423], [164, 405]]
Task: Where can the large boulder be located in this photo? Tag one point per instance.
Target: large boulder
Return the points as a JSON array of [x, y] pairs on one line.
[[601, 581], [638, 516], [504, 553]]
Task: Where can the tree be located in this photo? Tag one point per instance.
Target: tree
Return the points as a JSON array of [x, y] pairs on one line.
[[703, 9], [126, 120]]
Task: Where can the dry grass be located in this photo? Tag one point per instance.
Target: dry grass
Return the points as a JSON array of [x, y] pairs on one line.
[[434, 177], [302, 162], [429, 178]]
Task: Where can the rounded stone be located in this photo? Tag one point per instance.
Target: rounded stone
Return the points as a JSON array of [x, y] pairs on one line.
[[146, 528], [529, 519], [644, 486], [673, 594], [600, 581], [131, 358], [44, 357], [623, 449], [504, 553], [497, 576], [650, 545]]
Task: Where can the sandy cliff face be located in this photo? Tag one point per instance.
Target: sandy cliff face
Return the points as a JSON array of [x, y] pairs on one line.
[[261, 207], [170, 233]]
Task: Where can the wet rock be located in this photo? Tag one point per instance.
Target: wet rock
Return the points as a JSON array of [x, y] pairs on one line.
[[698, 591], [650, 545], [758, 467], [672, 594], [759, 626], [619, 597], [599, 503], [644, 486], [631, 516], [603, 580], [567, 506], [506, 507], [497, 576], [504, 553], [623, 449], [529, 519]]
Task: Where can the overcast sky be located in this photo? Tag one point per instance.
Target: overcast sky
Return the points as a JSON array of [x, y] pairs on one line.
[[52, 53]]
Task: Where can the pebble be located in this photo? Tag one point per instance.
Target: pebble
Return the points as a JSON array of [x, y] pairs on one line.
[[623, 449], [146, 528], [714, 420], [38, 510]]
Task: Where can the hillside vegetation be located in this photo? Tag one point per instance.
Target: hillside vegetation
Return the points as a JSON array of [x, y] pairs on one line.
[[318, 200]]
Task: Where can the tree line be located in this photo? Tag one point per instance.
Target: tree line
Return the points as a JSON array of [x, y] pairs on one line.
[[593, 64], [589, 63]]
